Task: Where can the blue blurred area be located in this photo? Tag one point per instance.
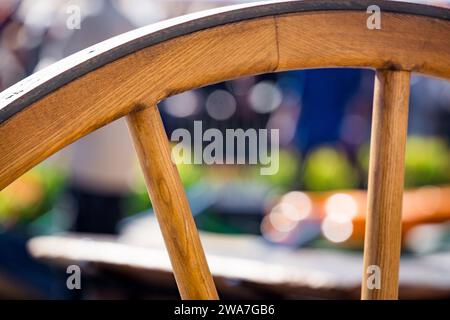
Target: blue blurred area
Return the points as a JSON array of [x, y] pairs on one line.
[[325, 97], [17, 264]]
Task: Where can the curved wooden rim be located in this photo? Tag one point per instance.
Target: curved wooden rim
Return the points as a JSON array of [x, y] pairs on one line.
[[60, 104], [34, 87]]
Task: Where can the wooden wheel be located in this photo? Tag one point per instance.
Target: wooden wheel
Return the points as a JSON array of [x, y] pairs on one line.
[[131, 73]]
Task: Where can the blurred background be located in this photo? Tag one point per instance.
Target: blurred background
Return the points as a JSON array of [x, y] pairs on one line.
[[296, 234]]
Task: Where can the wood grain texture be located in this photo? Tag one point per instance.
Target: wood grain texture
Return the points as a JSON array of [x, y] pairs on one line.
[[171, 206], [43, 82], [114, 90], [254, 46], [386, 177], [342, 39], [57, 106]]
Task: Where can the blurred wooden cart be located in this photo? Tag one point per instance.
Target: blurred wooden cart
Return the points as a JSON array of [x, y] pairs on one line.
[[244, 267]]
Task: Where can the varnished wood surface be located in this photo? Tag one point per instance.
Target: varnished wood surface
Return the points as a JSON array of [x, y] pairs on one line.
[[171, 206], [385, 188], [40, 84], [57, 106], [114, 90], [404, 42]]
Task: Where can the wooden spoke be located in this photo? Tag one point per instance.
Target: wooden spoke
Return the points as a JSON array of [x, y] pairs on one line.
[[385, 190], [180, 234]]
